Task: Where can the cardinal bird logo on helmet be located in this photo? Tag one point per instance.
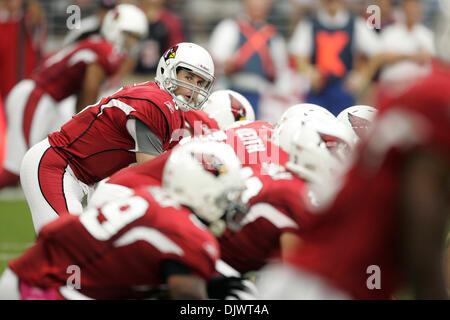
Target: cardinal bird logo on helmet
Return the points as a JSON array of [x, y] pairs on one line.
[[171, 53], [333, 143], [211, 163], [360, 125], [237, 109]]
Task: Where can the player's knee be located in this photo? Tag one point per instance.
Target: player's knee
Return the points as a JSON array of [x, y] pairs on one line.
[[30, 164]]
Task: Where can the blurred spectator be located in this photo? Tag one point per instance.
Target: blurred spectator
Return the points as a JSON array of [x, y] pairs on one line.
[[91, 24], [165, 30], [23, 30], [410, 43], [299, 10], [324, 46], [250, 52]]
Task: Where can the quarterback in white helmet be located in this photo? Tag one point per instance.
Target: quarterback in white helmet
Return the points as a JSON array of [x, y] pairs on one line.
[[178, 66]]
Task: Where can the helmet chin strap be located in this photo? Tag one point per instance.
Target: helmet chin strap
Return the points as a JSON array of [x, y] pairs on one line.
[[217, 227], [183, 106]]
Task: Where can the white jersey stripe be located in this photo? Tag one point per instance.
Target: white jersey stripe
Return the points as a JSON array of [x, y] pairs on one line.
[[268, 212], [152, 236]]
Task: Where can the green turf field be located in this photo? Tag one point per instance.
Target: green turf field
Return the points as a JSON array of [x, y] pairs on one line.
[[16, 230]]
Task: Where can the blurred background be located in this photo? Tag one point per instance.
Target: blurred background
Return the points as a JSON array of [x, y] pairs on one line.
[[33, 29]]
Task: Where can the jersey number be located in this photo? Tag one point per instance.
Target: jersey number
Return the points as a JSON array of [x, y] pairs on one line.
[[103, 223], [253, 184]]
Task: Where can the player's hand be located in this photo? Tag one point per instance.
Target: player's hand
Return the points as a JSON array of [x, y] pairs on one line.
[[249, 292], [230, 288]]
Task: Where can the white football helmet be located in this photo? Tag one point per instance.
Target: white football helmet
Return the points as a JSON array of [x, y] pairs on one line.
[[227, 107], [195, 59], [359, 118], [286, 127], [320, 152], [124, 18], [302, 108], [206, 176]]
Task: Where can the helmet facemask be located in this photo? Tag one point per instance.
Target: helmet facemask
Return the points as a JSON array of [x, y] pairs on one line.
[[198, 95], [319, 159], [219, 211], [206, 177]]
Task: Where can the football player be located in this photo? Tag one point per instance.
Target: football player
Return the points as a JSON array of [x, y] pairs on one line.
[[153, 243], [279, 200], [79, 69], [133, 125], [386, 229]]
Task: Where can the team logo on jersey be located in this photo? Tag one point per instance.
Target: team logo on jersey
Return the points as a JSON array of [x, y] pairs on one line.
[[170, 106], [171, 53], [360, 125], [210, 162], [237, 109]]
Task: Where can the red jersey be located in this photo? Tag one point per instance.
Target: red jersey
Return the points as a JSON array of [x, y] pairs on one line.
[[360, 229], [150, 172], [286, 205], [278, 203], [119, 247], [61, 74], [198, 122], [96, 142]]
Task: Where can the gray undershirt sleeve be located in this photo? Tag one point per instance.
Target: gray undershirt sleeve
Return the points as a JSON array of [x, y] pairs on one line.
[[146, 141]]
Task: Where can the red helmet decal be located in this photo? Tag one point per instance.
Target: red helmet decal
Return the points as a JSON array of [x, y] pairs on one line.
[[334, 143], [237, 108], [171, 53], [360, 125], [210, 162]]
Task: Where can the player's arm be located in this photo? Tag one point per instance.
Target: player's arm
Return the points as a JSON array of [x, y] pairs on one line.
[[425, 203], [143, 157], [180, 283], [90, 88], [289, 243], [148, 144]]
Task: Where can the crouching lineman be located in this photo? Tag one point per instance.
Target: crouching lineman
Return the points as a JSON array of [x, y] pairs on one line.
[[279, 199], [135, 246], [387, 227], [133, 125]]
